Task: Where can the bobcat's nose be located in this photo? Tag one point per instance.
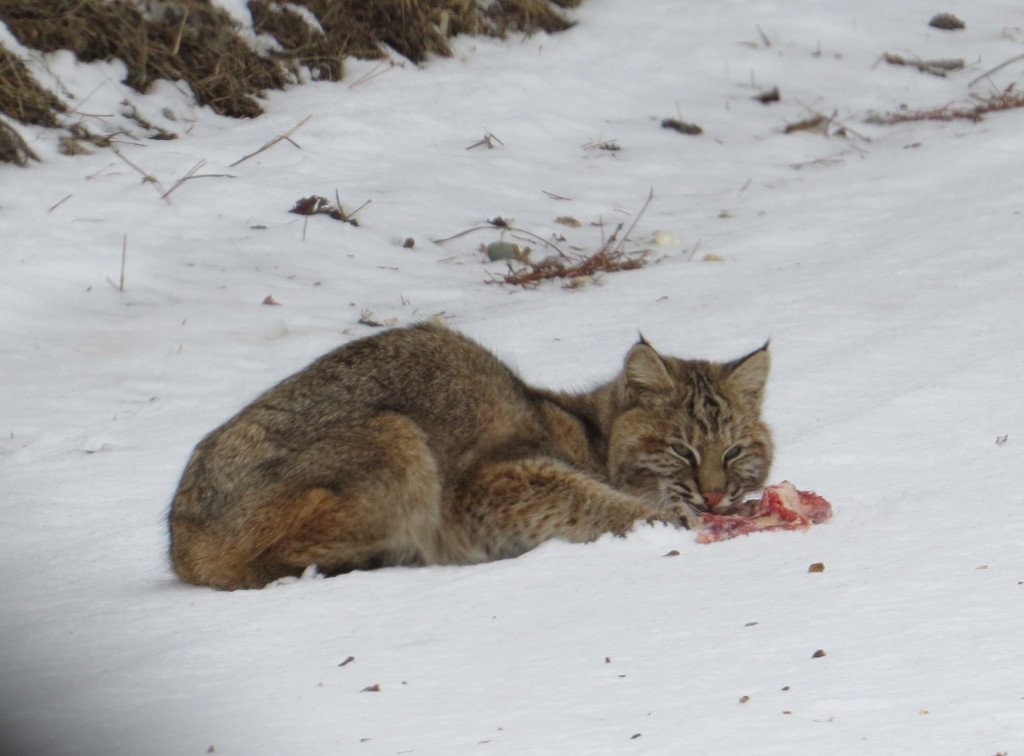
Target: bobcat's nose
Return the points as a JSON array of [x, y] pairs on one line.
[[713, 498]]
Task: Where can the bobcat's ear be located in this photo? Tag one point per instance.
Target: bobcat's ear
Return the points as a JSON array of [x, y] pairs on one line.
[[645, 372], [748, 375]]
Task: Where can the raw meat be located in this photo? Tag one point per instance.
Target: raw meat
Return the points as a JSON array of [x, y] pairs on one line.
[[782, 507]]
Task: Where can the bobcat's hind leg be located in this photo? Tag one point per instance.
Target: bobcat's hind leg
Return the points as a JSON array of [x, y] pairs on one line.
[[368, 495], [512, 507]]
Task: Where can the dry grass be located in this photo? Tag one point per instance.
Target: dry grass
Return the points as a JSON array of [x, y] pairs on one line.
[[13, 148], [21, 97], [413, 28], [576, 269], [183, 39], [195, 41], [1008, 99], [941, 67]]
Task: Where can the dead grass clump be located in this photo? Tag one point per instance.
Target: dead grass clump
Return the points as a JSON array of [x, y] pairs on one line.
[[198, 42], [528, 16], [1008, 99], [13, 148], [414, 29], [302, 43], [181, 39], [21, 97], [574, 269], [356, 28]]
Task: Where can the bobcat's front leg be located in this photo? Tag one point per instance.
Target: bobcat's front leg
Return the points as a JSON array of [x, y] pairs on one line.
[[508, 508]]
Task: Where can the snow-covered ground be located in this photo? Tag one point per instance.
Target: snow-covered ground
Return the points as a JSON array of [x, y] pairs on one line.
[[886, 266]]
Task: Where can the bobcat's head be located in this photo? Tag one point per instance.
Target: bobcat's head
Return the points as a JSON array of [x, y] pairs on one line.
[[690, 431]]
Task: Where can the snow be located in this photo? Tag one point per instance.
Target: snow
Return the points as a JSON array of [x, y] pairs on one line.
[[885, 267]]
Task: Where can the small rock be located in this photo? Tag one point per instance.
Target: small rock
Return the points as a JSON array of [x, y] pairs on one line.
[[818, 654], [947, 22], [817, 567], [578, 282], [682, 126], [666, 239], [503, 250]]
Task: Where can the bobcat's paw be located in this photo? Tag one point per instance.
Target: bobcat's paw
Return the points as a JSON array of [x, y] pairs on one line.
[[678, 516]]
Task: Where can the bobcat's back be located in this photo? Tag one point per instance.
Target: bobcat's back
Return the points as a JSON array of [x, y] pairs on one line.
[[465, 400]]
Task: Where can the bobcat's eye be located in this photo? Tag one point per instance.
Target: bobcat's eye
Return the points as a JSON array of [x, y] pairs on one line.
[[732, 454], [685, 453]]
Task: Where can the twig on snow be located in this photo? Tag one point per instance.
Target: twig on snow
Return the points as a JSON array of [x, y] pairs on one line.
[[991, 71], [503, 224], [193, 175], [639, 215], [279, 138], [373, 73], [554, 196], [54, 207], [460, 234], [488, 139], [940, 67], [147, 178], [124, 262]]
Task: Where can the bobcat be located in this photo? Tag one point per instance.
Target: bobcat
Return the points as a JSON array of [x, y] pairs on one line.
[[417, 446]]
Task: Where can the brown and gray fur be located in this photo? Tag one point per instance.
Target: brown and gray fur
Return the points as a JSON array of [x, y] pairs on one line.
[[417, 446]]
